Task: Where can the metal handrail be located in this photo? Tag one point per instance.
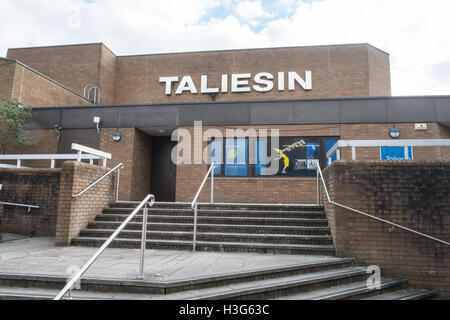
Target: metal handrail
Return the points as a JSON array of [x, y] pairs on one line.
[[374, 217], [194, 204], [21, 205], [118, 167], [148, 202]]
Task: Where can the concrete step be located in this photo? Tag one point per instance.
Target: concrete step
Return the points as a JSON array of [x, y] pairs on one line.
[[274, 288], [167, 287], [214, 236], [253, 289], [223, 213], [188, 227], [405, 294], [219, 220], [211, 246], [351, 291], [224, 206]]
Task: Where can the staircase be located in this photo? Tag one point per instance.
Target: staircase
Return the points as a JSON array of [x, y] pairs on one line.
[[330, 279], [257, 228]]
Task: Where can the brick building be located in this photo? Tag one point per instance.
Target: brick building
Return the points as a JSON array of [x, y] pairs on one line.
[[313, 95]]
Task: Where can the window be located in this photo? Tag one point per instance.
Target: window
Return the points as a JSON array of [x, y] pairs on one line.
[[243, 157], [261, 157], [216, 155], [298, 156], [328, 145], [236, 157]]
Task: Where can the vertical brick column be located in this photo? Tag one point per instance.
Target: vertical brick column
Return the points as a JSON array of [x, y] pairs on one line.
[[134, 151], [74, 215]]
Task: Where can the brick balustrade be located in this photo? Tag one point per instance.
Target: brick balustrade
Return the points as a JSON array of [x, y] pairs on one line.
[[414, 194], [74, 215]]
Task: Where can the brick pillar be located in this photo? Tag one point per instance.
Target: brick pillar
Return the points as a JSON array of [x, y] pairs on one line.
[[74, 215]]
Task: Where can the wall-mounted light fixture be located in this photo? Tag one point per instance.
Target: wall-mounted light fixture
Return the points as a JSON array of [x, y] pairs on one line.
[[97, 122], [394, 133], [58, 131], [117, 136]]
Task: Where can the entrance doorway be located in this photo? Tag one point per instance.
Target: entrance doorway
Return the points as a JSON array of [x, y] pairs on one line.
[[164, 171]]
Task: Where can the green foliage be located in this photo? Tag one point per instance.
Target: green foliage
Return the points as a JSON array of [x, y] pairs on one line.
[[12, 117]]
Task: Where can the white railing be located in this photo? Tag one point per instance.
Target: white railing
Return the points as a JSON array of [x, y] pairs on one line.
[[406, 144], [84, 153], [82, 149], [52, 157]]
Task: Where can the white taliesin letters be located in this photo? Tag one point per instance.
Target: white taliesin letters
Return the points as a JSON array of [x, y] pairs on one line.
[[262, 82]]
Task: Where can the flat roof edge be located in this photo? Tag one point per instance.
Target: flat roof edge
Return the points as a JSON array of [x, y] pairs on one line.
[[251, 49], [199, 51], [256, 101]]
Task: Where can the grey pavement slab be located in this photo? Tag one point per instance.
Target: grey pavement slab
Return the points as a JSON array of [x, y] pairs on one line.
[[40, 256]]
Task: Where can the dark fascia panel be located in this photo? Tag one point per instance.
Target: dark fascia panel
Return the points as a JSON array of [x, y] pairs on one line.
[[312, 111]]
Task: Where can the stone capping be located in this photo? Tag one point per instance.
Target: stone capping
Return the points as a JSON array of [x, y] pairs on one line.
[[389, 163]]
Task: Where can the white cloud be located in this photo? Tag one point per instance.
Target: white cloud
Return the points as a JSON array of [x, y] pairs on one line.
[[414, 32], [251, 11]]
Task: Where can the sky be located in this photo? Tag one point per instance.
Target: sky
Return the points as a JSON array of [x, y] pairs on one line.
[[414, 32]]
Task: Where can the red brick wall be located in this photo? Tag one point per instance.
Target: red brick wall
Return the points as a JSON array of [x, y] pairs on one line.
[[379, 73], [7, 71], [31, 88], [142, 161], [73, 66], [36, 187], [301, 190], [122, 152], [134, 151], [245, 190], [74, 215], [337, 71], [257, 189], [108, 68], [414, 194]]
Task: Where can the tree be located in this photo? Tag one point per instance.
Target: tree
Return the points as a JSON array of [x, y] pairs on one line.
[[12, 118]]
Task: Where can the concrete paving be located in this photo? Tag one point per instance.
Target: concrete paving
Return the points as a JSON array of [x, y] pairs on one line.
[[40, 256]]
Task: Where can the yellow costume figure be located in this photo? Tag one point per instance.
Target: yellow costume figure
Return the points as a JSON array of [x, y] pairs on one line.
[[285, 158]]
